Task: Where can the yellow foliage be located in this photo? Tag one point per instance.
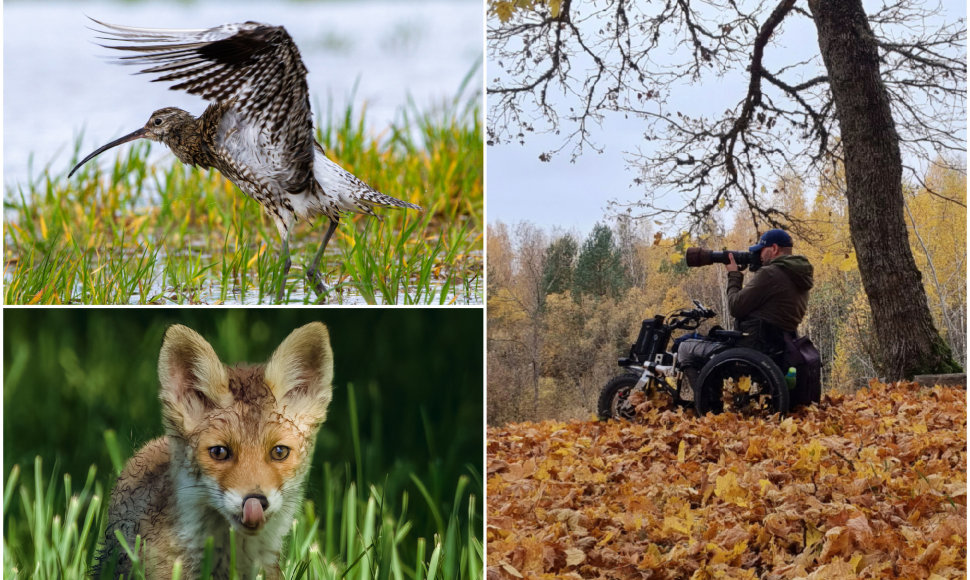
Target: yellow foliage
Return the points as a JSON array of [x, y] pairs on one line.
[[809, 456], [506, 9], [744, 384], [851, 358], [731, 556], [938, 237], [848, 264], [727, 488]]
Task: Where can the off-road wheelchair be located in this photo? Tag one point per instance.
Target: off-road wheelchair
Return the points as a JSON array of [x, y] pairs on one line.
[[712, 373]]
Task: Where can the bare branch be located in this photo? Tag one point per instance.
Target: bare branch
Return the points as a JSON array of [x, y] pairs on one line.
[[564, 74]]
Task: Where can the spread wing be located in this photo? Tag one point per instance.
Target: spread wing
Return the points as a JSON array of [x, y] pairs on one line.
[[254, 68]]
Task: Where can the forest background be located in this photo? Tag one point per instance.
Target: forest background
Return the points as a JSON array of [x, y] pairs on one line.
[[562, 308]]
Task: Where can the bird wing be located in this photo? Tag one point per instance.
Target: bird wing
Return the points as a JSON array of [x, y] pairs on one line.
[[255, 67]]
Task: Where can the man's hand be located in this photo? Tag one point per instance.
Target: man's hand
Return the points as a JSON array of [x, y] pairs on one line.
[[731, 266]]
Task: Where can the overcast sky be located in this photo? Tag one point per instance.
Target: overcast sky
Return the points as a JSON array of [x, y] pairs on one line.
[[376, 56], [574, 196]]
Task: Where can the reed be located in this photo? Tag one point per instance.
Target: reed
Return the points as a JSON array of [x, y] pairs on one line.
[[136, 232]]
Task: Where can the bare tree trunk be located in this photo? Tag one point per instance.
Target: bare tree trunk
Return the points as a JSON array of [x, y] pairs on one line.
[[535, 391], [909, 341]]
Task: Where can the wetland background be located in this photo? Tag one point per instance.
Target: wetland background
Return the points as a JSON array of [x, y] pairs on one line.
[[396, 90]]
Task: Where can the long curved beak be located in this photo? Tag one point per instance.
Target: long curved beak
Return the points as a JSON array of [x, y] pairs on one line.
[[139, 134]]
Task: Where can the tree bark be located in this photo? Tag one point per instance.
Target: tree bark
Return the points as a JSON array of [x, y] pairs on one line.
[[909, 341]]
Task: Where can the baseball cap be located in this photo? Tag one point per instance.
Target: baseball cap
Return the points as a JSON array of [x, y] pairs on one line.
[[770, 237]]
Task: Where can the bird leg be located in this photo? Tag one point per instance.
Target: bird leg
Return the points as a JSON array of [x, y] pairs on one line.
[[313, 273], [284, 253]]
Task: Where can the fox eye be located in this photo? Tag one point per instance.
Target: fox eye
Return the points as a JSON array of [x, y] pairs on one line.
[[280, 452], [219, 452]]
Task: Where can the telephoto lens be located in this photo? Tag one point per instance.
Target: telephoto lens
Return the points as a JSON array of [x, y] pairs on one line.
[[698, 257], [703, 257]]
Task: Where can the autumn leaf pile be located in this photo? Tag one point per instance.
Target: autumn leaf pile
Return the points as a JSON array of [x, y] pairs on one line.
[[869, 485]]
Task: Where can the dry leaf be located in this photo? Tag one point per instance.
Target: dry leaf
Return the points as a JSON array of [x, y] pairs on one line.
[[869, 485], [574, 557]]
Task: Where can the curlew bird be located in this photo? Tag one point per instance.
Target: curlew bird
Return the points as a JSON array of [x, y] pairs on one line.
[[258, 129]]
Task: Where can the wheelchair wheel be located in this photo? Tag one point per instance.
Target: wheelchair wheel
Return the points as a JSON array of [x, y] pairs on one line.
[[614, 401], [743, 381], [619, 399]]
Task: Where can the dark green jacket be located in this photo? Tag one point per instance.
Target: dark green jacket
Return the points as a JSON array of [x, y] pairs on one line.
[[776, 294]]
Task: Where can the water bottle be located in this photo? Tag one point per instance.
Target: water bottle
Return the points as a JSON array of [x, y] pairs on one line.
[[790, 378]]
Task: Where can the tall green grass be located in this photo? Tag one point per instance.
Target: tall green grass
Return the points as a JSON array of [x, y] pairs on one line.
[[54, 532], [130, 231]]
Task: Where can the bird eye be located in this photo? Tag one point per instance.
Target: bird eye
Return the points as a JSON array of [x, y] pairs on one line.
[[158, 121], [219, 452], [280, 452]]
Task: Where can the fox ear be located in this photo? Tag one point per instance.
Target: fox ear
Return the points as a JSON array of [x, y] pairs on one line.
[[192, 377], [300, 373]]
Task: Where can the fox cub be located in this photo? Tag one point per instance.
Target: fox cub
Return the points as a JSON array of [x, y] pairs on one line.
[[237, 448]]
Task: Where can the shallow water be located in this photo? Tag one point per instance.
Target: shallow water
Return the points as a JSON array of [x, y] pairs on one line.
[[342, 292], [58, 82], [159, 288], [344, 296]]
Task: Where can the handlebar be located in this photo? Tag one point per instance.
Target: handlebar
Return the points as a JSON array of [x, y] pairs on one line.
[[706, 312], [690, 319]]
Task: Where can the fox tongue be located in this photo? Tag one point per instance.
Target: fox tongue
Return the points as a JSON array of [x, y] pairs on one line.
[[252, 513]]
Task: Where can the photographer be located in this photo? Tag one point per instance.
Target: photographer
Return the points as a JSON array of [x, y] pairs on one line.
[[776, 297], [768, 310]]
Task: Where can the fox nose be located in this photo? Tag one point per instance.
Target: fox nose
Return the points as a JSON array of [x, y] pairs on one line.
[[253, 507], [257, 496]]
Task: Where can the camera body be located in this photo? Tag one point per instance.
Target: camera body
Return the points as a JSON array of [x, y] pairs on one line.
[[702, 257]]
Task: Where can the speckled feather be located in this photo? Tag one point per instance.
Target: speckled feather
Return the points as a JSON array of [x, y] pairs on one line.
[[259, 129]]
